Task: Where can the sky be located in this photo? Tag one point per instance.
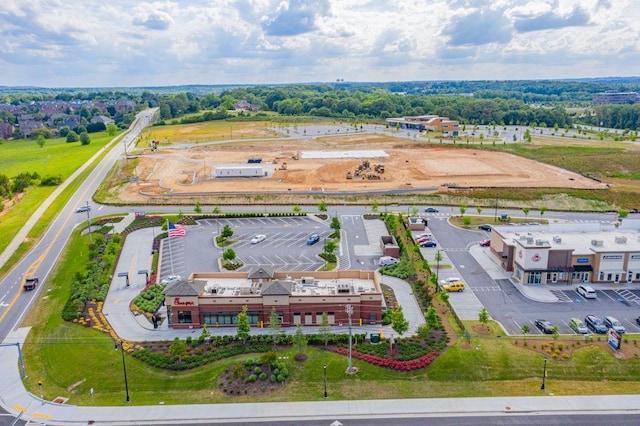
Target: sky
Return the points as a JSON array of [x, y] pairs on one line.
[[126, 43]]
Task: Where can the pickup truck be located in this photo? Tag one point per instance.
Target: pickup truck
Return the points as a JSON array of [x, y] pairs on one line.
[[30, 283]]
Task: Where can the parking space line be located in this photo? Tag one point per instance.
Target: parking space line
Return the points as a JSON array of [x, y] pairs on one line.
[[603, 292]]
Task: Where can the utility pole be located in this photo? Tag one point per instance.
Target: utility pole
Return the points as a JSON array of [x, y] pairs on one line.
[[349, 310], [89, 223]]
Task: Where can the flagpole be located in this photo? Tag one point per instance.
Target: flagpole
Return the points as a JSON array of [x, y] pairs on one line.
[[170, 252]]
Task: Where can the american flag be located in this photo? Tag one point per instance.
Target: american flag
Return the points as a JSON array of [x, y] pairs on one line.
[[176, 230]]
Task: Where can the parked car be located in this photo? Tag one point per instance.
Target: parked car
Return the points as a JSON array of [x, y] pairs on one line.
[[387, 260], [485, 227], [170, 279], [83, 209], [485, 243], [545, 326], [595, 324], [611, 322], [578, 326], [586, 291], [424, 234], [428, 244], [313, 238], [431, 210], [450, 280], [454, 286], [258, 238], [423, 239]]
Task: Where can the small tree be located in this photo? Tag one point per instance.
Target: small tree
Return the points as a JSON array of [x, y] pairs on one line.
[[244, 328], [229, 255], [335, 224], [330, 247], [622, 214], [325, 329], [466, 220], [274, 325], [414, 211], [526, 211], [432, 318], [300, 340], [84, 138], [197, 209], [399, 323], [40, 141], [542, 210], [178, 348], [463, 209], [72, 136], [112, 129], [525, 329], [322, 206], [227, 232], [555, 332], [216, 210], [375, 207], [483, 316], [479, 209], [438, 258], [296, 209]]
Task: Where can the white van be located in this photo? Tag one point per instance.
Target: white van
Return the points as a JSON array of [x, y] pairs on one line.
[[387, 260], [586, 291]]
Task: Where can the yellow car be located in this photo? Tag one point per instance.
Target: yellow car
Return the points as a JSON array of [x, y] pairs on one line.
[[454, 286]]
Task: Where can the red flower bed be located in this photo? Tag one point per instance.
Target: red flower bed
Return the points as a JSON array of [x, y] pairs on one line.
[[414, 364]]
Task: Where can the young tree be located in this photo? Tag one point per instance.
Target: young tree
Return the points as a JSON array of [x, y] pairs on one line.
[[226, 231], [330, 247], [297, 209], [335, 224], [229, 255], [526, 211], [466, 220], [479, 209], [414, 211], [483, 316], [274, 325], [322, 206], [244, 328], [84, 138], [525, 329], [198, 208], [216, 210], [299, 339], [40, 141], [399, 323], [374, 207], [463, 209], [325, 329], [112, 129], [444, 296], [542, 210], [178, 348], [432, 318], [438, 258], [72, 136]]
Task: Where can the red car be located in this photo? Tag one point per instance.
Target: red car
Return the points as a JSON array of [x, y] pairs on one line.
[[423, 239], [485, 243]]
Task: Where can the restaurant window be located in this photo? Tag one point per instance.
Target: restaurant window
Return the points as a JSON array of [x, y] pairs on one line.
[[184, 317]]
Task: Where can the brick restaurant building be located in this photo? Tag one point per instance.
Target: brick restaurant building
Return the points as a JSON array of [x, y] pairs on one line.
[[215, 299]]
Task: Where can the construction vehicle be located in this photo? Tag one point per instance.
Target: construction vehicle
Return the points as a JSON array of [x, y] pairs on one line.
[[349, 176], [30, 283], [283, 166]]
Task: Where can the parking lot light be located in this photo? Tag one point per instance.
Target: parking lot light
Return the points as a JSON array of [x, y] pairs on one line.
[[544, 374]]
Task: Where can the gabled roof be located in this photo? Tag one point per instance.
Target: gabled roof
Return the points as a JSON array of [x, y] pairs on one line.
[[277, 288], [184, 288], [261, 272]]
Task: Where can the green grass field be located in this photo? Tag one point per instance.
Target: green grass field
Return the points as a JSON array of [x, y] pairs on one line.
[[56, 158]]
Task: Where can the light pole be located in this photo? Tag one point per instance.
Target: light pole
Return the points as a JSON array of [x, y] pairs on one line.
[[544, 373], [124, 370], [349, 310], [89, 222], [41, 391], [324, 368]]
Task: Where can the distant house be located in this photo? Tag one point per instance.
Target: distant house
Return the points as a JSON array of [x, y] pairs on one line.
[[6, 130], [102, 119], [427, 122], [124, 106], [28, 126], [245, 106], [616, 98]]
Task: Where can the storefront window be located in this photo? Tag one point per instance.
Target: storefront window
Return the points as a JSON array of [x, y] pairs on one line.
[[184, 317]]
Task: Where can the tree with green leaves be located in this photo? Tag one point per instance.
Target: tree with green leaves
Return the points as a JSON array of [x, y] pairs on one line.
[[229, 255], [325, 329], [438, 257], [330, 247], [444, 296], [299, 339], [526, 211], [178, 349], [622, 214], [322, 206], [399, 323], [432, 318], [374, 207], [414, 211], [216, 210], [72, 136], [198, 208], [525, 329], [466, 220], [483, 316], [463, 209], [274, 325], [297, 209], [244, 328], [542, 210], [479, 209], [85, 139], [227, 232], [40, 141], [335, 224], [112, 129]]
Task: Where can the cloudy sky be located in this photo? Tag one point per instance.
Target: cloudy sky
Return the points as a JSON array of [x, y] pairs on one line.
[[84, 43]]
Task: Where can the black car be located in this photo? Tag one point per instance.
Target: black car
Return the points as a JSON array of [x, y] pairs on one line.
[[638, 320], [428, 244], [545, 326], [431, 210], [595, 324], [485, 227]]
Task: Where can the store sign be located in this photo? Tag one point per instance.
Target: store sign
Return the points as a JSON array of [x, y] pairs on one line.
[[582, 260], [635, 257], [178, 302], [612, 257], [614, 339]]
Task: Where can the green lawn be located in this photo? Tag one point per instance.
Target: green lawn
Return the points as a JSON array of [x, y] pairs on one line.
[[56, 158]]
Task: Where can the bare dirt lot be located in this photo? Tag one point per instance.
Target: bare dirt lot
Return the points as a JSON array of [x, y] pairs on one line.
[[407, 166]]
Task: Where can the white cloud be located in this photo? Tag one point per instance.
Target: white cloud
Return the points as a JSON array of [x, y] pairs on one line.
[[130, 42]]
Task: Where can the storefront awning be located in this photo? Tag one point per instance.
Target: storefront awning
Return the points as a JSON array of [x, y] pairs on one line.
[[582, 268]]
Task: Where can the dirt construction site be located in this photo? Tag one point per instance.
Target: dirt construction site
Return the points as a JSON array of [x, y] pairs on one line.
[[337, 164]]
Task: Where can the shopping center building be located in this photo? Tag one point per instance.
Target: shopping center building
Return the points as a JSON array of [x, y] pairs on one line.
[[569, 252], [215, 299]]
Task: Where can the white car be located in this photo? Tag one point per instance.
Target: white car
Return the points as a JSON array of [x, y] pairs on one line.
[[387, 260], [170, 279], [450, 280], [258, 238], [586, 291]]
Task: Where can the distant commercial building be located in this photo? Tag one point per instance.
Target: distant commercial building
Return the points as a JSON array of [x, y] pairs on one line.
[[215, 299], [427, 122], [616, 98], [569, 253]]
